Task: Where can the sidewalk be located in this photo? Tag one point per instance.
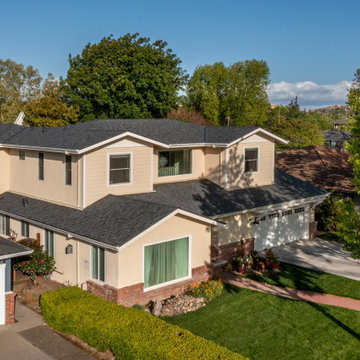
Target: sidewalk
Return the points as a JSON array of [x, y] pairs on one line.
[[29, 338], [325, 299]]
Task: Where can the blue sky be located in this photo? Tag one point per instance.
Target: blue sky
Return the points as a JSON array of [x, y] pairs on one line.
[[311, 47]]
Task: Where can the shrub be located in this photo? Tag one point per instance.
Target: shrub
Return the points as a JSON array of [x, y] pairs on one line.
[[127, 332], [209, 290], [327, 214]]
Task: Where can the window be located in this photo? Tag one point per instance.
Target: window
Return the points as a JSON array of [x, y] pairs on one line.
[[274, 215], [98, 263], [176, 162], [4, 225], [24, 229], [49, 242], [68, 169], [41, 166], [166, 261], [299, 210], [21, 155], [251, 159], [119, 169], [286, 212]]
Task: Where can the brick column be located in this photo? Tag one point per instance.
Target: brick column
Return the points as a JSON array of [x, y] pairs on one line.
[[10, 308]]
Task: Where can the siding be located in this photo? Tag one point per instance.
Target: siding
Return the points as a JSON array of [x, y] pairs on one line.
[[4, 166], [24, 177], [96, 165], [213, 165]]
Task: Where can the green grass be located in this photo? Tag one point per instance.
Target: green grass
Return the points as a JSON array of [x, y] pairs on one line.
[[263, 326], [306, 279]]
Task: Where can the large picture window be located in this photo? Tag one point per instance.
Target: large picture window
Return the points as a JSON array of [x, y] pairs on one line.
[[251, 160], [49, 243], [98, 263], [175, 162], [119, 169], [166, 261]]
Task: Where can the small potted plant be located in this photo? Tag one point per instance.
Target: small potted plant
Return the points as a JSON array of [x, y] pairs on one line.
[[271, 260], [241, 266]]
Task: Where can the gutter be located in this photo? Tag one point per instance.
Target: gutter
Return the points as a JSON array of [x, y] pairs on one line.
[[10, 256]]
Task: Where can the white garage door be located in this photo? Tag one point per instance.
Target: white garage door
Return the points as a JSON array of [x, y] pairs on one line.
[[281, 227]]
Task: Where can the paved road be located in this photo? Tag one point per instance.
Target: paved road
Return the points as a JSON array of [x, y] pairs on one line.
[[322, 255], [29, 339]]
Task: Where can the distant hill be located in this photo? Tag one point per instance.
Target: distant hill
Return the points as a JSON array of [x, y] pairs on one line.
[[335, 112]]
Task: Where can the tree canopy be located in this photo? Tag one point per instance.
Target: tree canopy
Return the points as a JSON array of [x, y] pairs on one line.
[[128, 77], [48, 109], [17, 85], [236, 93]]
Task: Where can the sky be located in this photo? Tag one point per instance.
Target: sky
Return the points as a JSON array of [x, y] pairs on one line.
[[311, 47]]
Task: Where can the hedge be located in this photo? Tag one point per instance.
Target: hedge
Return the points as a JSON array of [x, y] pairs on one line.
[[128, 332]]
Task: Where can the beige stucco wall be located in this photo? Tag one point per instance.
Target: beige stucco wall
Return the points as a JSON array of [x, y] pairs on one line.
[[97, 169], [198, 167], [236, 176], [24, 177], [131, 258], [214, 167], [4, 170]]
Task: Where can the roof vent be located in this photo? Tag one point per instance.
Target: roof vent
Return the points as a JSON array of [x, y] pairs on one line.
[[25, 202], [44, 129]]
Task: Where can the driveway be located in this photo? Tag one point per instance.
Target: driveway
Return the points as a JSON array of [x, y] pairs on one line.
[[322, 255], [29, 338]]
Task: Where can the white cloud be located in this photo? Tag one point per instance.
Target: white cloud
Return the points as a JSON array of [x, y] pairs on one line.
[[310, 94]]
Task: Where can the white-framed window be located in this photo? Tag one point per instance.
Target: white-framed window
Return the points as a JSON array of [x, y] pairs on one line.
[[299, 210], [41, 166], [21, 154], [166, 262], [119, 169], [24, 229], [49, 243], [5, 225], [97, 263], [68, 169], [251, 159], [174, 162]]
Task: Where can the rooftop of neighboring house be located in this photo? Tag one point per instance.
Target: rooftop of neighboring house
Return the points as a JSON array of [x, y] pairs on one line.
[[337, 135], [341, 122], [322, 166], [164, 132], [115, 220]]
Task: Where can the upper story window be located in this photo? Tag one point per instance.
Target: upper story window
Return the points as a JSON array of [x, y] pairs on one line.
[[41, 166], [251, 160], [4, 225], [119, 169], [21, 154], [174, 162], [24, 229], [68, 168]]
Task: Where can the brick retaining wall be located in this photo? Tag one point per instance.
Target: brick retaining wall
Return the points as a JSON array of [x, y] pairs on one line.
[[135, 294], [10, 308], [228, 251]]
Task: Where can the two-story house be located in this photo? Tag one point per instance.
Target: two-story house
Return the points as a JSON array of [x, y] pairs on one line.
[[134, 210]]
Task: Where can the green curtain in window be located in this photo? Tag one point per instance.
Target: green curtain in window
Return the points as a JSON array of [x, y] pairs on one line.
[[166, 261]]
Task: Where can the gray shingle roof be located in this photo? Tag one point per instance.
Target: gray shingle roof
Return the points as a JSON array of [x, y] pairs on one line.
[[9, 248], [80, 136], [337, 135]]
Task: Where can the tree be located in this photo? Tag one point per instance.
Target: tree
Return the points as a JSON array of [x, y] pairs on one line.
[[237, 92], [48, 109], [128, 77], [191, 116], [294, 108], [17, 85]]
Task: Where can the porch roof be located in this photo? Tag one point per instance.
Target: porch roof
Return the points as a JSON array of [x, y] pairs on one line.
[[10, 249]]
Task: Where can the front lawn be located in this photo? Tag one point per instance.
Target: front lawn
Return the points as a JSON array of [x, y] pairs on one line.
[[297, 277], [263, 326]]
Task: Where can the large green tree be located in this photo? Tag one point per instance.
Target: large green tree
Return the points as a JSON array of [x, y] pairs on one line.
[[236, 93], [128, 77], [17, 85], [48, 109]]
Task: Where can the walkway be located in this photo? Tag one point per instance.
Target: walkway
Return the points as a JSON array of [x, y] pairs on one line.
[[321, 255], [325, 299], [29, 338]]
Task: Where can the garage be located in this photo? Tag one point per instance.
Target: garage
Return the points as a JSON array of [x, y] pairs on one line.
[[280, 227]]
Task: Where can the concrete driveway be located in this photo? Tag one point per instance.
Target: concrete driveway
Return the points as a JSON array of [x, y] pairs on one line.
[[322, 255]]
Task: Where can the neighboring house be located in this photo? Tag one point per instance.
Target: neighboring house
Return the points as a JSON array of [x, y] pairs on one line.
[[134, 210], [322, 166], [336, 138], [340, 122]]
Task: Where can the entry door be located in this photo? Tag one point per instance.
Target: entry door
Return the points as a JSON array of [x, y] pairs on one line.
[[2, 294]]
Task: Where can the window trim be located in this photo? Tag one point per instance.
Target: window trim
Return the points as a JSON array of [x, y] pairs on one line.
[[130, 153], [175, 176], [167, 283], [27, 226], [258, 159], [7, 225], [20, 155], [41, 159], [44, 241], [101, 282], [66, 170]]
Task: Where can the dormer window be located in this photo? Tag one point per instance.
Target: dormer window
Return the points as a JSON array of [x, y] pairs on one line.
[[119, 169], [251, 160], [174, 162]]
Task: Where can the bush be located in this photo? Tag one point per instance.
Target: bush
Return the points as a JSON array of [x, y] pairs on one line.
[[327, 214], [127, 332], [208, 290]]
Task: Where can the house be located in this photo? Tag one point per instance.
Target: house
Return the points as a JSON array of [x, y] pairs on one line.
[[336, 138], [325, 167], [340, 122], [134, 210]]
